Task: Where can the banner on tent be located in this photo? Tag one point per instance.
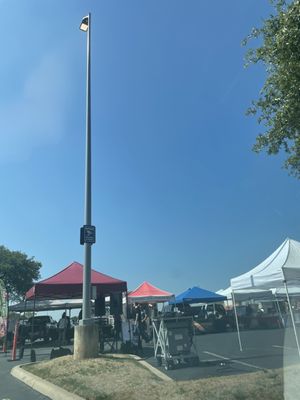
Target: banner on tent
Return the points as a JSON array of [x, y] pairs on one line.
[[3, 309]]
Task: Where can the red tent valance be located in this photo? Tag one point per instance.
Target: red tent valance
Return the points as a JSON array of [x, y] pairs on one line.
[[67, 284]]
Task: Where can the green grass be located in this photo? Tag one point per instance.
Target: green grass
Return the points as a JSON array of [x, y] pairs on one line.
[[108, 378]]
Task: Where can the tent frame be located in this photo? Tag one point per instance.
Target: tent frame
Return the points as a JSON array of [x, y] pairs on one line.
[[292, 316], [236, 321], [291, 313]]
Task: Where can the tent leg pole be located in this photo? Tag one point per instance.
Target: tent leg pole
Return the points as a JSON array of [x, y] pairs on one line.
[[292, 316], [237, 322]]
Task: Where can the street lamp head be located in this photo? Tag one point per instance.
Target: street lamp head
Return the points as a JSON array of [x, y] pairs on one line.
[[84, 26]]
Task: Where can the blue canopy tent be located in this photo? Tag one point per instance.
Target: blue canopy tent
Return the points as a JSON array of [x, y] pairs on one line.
[[197, 295]]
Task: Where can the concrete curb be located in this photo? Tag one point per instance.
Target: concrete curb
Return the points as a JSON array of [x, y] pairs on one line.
[[42, 386], [152, 369]]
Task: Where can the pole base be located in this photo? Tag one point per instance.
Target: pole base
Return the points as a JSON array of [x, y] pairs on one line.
[[86, 342]]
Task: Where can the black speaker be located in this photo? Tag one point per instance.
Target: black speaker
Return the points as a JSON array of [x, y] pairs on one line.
[[100, 306], [60, 352], [116, 304]]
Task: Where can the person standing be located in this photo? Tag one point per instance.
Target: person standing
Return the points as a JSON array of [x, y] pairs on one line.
[[68, 330], [138, 328], [62, 329], [144, 326]]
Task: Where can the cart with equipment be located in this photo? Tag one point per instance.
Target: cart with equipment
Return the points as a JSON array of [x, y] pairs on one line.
[[173, 342]]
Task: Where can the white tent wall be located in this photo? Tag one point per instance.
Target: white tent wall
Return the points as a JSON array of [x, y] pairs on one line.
[[259, 294], [280, 293], [247, 294]]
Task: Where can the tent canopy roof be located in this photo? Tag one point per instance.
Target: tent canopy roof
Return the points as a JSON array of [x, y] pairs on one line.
[[147, 293], [283, 264], [198, 295], [67, 284]]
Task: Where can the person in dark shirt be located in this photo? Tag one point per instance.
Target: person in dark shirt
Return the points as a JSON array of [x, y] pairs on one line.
[[138, 327]]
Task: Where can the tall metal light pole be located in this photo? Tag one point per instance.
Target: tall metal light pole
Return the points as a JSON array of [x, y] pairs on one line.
[[87, 237], [86, 335]]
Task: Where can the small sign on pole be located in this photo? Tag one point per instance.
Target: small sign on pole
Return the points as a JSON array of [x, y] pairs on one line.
[[88, 234]]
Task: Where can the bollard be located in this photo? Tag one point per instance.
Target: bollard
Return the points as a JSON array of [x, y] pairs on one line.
[[4, 346], [14, 349], [32, 356]]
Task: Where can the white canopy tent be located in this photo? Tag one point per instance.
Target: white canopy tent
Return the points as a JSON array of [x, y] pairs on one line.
[[280, 269]]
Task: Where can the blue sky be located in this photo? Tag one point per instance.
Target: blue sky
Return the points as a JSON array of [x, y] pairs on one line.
[[179, 198]]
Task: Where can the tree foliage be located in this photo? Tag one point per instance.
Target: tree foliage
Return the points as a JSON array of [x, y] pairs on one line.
[[18, 271], [278, 104]]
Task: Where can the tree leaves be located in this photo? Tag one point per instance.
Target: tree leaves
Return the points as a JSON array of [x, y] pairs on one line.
[[18, 272], [278, 105]]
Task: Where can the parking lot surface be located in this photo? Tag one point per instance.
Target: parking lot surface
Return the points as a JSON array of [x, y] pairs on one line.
[[219, 353]]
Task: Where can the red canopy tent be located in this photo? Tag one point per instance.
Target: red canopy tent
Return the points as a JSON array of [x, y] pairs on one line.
[[147, 293], [67, 284]]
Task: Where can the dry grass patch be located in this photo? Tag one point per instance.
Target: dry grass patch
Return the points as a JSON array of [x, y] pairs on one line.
[[96, 379], [125, 379]]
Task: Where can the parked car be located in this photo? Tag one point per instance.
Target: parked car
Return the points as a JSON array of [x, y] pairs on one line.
[[208, 318], [212, 317], [39, 327]]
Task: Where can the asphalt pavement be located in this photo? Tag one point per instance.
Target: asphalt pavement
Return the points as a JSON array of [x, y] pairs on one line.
[[220, 354], [10, 387]]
